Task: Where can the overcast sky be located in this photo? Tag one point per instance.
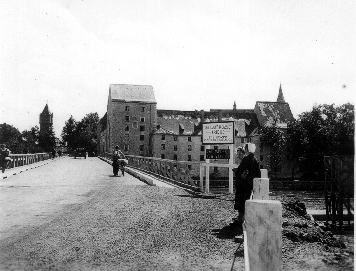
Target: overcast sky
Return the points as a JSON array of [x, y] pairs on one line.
[[196, 54]]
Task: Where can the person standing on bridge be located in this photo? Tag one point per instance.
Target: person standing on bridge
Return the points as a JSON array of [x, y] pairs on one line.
[[4, 157], [117, 161], [245, 173]]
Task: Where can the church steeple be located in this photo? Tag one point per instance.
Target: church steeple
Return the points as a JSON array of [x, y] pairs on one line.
[[234, 106], [46, 119], [280, 98]]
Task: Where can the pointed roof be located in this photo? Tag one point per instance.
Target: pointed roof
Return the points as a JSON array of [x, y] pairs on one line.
[[46, 110], [234, 106], [280, 98]]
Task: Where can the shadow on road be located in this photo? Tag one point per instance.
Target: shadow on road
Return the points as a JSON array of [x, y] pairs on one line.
[[229, 231]]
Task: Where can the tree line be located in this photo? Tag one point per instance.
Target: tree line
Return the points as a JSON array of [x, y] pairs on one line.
[[75, 134], [326, 130]]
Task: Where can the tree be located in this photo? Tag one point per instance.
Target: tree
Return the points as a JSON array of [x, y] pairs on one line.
[[325, 130], [82, 134], [30, 140], [273, 138], [47, 139], [10, 136], [69, 133]]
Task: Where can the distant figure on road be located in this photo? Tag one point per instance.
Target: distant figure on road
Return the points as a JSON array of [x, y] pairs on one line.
[[117, 161], [245, 173], [4, 157], [53, 154]]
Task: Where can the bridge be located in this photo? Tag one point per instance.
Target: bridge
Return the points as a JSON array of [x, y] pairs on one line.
[[69, 214]]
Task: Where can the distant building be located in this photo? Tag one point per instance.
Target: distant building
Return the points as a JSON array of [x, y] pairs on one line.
[[130, 120], [46, 119], [134, 124]]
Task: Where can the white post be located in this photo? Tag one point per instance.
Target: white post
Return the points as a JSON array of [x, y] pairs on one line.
[[201, 177], [264, 173], [261, 188], [263, 222], [231, 163], [207, 170]]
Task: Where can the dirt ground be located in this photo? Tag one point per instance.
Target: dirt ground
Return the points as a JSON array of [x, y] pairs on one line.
[[123, 224]]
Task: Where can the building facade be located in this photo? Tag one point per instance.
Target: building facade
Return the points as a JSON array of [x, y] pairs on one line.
[[135, 124]]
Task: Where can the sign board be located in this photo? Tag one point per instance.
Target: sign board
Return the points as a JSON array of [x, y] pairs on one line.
[[217, 154], [216, 133]]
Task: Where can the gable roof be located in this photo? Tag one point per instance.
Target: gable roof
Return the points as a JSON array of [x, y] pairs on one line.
[[132, 93], [269, 113], [177, 122]]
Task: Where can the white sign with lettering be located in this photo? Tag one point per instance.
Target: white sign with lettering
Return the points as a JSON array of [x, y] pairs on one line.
[[215, 133]]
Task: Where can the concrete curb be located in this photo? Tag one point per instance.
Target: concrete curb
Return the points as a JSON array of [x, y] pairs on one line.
[[17, 170]]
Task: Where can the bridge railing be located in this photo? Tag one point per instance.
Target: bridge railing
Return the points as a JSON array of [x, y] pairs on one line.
[[171, 170], [18, 160]]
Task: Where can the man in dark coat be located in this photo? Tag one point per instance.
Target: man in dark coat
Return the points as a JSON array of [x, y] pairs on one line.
[[245, 173], [4, 157]]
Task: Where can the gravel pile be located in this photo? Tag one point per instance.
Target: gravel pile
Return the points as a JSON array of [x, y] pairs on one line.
[[127, 227]]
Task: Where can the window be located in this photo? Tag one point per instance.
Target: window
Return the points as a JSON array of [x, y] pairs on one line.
[[142, 137], [142, 128], [189, 138], [127, 118], [202, 157], [175, 138], [141, 147], [189, 158], [163, 137], [163, 146], [249, 139], [175, 157], [202, 148], [134, 125], [142, 109], [126, 147], [127, 108], [189, 147], [242, 140], [142, 119], [175, 147], [189, 167], [163, 156], [127, 128], [127, 137], [261, 158]]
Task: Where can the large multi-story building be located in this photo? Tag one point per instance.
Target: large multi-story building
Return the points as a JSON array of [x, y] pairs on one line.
[[134, 124]]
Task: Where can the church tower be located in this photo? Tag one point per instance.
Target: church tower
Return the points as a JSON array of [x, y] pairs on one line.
[[46, 119], [280, 98]]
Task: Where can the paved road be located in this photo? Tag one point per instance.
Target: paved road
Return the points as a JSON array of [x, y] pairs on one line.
[[59, 218], [34, 196]]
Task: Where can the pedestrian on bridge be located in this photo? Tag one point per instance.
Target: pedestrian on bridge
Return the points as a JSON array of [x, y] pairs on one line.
[[245, 173], [4, 157], [118, 161]]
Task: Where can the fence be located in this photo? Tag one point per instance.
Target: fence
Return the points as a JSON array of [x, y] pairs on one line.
[[171, 170], [19, 160]]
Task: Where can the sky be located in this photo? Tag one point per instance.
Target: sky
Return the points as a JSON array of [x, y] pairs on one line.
[[197, 54]]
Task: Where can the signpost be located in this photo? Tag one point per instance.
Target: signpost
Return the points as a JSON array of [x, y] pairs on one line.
[[218, 133]]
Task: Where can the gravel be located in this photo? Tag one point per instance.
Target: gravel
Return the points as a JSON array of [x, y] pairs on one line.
[[126, 227]]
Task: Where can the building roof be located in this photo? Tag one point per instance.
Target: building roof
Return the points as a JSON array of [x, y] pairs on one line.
[[132, 93], [46, 110], [269, 113], [189, 122], [177, 122]]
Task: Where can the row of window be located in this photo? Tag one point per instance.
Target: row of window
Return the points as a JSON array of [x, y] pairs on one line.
[[127, 119], [127, 108], [175, 157], [175, 138], [135, 126], [175, 147]]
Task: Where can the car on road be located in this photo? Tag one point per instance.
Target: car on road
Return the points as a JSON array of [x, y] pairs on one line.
[[80, 152]]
